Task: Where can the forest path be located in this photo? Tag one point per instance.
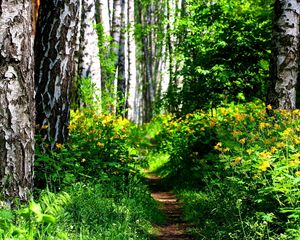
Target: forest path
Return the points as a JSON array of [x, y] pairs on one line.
[[174, 227]]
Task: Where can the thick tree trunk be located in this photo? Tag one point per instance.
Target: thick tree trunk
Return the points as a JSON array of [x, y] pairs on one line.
[[284, 56], [54, 71], [16, 99]]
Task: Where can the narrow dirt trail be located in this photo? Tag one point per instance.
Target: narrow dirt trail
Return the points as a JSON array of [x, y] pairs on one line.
[[174, 227]]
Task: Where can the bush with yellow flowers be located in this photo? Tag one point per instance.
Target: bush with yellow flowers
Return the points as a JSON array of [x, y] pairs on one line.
[[97, 148], [244, 167]]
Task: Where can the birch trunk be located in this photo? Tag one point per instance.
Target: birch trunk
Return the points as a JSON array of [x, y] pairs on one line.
[[89, 65], [284, 55], [104, 15], [132, 86], [122, 63], [89, 62], [16, 99], [54, 71]]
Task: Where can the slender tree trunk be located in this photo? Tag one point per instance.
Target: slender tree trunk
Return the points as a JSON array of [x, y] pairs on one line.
[[54, 71], [132, 86], [89, 65], [284, 56], [104, 15], [121, 75], [89, 62], [116, 29], [16, 99]]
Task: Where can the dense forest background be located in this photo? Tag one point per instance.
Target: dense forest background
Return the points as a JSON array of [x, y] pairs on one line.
[[202, 93]]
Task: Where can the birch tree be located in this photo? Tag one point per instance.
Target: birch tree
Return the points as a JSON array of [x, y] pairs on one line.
[[88, 69], [284, 55], [89, 64], [132, 85], [54, 70], [16, 99]]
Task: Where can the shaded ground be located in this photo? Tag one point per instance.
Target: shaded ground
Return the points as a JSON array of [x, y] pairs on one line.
[[174, 227]]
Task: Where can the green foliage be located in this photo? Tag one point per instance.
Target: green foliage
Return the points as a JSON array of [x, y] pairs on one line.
[[236, 170], [84, 211], [36, 220], [98, 147], [108, 69], [224, 49], [98, 192]]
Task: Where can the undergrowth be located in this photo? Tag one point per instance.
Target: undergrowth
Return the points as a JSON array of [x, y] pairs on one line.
[[236, 169], [89, 188]]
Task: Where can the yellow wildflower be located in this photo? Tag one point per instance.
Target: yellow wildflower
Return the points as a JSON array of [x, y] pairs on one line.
[[236, 161], [218, 146], [273, 149], [296, 156], [249, 151], [226, 150], [294, 163], [83, 160], [99, 144], [265, 165], [297, 173], [213, 123], [59, 145], [242, 140], [263, 125], [287, 132], [265, 155], [280, 145], [269, 107], [297, 140], [44, 127]]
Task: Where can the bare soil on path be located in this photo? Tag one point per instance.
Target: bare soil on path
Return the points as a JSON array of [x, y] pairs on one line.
[[174, 227]]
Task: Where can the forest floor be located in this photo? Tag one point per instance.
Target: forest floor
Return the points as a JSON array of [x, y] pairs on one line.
[[174, 227]]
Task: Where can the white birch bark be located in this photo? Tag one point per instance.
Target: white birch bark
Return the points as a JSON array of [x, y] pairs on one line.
[[133, 93], [16, 99], [105, 16], [89, 62], [284, 56]]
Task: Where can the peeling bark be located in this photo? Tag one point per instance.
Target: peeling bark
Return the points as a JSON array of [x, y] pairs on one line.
[[284, 56], [16, 99], [54, 71]]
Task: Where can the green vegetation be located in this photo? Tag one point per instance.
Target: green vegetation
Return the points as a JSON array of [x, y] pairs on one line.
[[236, 169], [224, 47], [96, 190], [233, 162]]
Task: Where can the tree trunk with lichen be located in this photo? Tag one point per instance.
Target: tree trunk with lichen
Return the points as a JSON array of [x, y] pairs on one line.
[[284, 56], [16, 99], [54, 70]]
